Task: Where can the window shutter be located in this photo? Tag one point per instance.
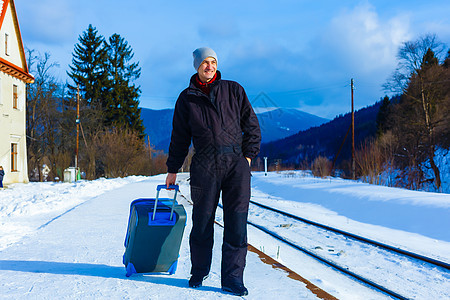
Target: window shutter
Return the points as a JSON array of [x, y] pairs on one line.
[[15, 97], [6, 44]]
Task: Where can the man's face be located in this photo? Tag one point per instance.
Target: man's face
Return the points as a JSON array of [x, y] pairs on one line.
[[207, 69]]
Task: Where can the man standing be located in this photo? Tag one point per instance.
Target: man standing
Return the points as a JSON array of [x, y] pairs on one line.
[[224, 129], [2, 173]]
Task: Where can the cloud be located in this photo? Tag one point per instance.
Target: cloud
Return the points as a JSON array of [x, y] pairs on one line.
[[314, 68], [356, 43], [363, 41]]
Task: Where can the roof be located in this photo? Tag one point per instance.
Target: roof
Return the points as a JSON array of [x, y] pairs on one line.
[[20, 72]]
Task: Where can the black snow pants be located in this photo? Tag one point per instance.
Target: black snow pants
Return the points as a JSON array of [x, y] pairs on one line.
[[228, 173]]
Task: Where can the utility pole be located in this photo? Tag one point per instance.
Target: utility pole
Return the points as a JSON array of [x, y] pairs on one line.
[[353, 134], [78, 127], [150, 155]]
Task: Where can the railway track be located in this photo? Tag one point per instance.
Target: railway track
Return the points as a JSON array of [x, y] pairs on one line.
[[312, 238], [321, 294], [338, 249], [359, 238]]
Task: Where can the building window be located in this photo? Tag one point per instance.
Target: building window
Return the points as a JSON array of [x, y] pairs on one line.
[[14, 157], [15, 97], [6, 43]]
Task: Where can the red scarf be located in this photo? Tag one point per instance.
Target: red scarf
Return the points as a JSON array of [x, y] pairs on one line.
[[205, 86]]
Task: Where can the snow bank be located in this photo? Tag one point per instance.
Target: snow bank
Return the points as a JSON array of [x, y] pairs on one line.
[[25, 207]]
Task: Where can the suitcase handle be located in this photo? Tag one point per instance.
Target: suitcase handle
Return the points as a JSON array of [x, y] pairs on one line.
[[171, 187], [158, 189]]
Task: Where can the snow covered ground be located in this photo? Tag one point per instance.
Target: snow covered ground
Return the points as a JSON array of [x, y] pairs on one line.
[[61, 240]]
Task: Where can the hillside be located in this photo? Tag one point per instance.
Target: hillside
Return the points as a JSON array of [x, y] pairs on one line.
[[284, 122], [158, 126], [325, 139]]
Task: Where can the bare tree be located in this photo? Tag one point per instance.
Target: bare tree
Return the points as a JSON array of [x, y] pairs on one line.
[[410, 59], [321, 167], [42, 112], [120, 153]]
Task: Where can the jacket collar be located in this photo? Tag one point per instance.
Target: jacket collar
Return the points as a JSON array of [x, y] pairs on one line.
[[216, 81]]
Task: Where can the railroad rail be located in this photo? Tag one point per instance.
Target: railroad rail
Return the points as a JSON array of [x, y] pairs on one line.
[[358, 237], [321, 294], [334, 265], [344, 270]]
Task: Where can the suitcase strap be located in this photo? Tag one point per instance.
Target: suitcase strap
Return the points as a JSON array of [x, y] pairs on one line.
[[164, 187]]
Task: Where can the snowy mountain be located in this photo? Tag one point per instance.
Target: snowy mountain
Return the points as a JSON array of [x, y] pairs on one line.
[[283, 122], [275, 124]]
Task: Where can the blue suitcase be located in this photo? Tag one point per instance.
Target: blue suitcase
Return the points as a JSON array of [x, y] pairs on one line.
[[155, 230]]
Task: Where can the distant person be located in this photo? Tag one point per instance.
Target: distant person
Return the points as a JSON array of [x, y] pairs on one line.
[[2, 174], [217, 116]]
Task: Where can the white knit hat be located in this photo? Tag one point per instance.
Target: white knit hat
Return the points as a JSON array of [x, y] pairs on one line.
[[201, 54]]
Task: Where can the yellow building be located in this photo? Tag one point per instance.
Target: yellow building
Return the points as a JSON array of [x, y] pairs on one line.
[[13, 79]]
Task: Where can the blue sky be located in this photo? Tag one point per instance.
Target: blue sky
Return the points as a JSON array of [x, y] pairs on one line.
[[299, 54]]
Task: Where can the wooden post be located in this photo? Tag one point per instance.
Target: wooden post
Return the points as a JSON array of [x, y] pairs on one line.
[[150, 155], [78, 127]]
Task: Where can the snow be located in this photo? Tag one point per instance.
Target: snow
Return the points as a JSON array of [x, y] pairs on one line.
[[442, 160], [65, 240], [26, 207], [261, 110]]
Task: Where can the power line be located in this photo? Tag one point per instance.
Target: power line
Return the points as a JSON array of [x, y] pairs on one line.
[[312, 89], [288, 92]]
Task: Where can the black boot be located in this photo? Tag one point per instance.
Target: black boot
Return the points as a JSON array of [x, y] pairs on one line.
[[237, 289], [196, 281]]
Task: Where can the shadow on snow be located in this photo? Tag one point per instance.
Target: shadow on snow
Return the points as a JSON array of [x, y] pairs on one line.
[[95, 270]]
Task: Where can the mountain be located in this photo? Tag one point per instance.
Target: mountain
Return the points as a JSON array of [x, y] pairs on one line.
[[325, 139], [283, 122], [158, 127], [275, 124]]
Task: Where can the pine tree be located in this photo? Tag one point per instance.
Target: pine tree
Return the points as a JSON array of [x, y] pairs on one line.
[[429, 59], [382, 116], [445, 135], [447, 60], [104, 72], [122, 101], [88, 69]]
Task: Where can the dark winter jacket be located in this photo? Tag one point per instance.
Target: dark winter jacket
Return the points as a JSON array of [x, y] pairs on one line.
[[2, 173], [217, 123]]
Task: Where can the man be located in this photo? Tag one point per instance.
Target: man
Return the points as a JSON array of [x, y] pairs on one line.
[[224, 129], [2, 173]]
